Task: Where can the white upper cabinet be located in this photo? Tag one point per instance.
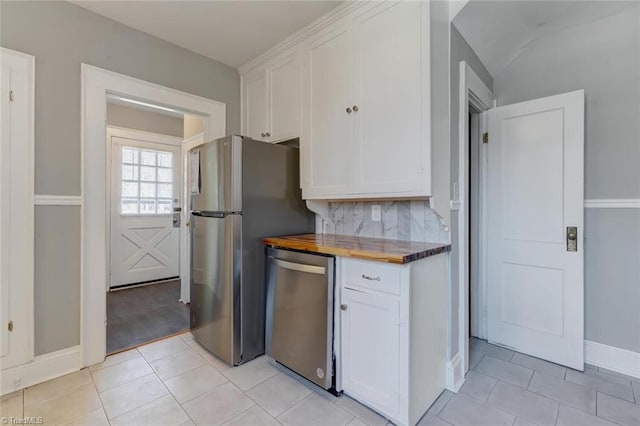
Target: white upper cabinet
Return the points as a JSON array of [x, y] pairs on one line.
[[391, 124], [327, 127], [255, 105], [284, 98], [271, 100], [364, 100]]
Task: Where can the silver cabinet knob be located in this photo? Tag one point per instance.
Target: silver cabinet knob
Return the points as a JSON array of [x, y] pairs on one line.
[[355, 108], [267, 134], [343, 307], [264, 135], [348, 110], [572, 236]]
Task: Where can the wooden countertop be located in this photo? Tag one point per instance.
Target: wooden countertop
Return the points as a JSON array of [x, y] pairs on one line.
[[381, 250]]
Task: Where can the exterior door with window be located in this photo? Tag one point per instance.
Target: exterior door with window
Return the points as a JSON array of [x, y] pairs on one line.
[[145, 187]]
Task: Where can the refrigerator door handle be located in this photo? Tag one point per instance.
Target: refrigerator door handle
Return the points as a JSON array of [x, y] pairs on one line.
[[217, 215]]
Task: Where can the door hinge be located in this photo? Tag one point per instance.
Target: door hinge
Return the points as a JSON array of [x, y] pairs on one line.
[[485, 137], [10, 95], [10, 326]]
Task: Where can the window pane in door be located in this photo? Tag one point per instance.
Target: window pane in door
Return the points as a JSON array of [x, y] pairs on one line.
[[148, 158], [148, 190], [129, 189], [165, 175], [147, 182], [165, 159], [148, 173], [165, 190], [129, 206], [147, 206], [164, 206], [129, 172]]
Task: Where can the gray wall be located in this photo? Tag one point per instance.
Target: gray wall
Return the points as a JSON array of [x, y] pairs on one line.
[[57, 277], [603, 58], [61, 36], [460, 51], [139, 119]]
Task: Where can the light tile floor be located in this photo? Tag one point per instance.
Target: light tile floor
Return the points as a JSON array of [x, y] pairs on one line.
[[508, 388], [175, 381]]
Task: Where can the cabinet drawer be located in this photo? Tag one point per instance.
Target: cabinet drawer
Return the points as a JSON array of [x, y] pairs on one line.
[[372, 275]]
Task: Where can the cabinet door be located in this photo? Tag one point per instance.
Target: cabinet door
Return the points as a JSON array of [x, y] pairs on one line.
[[371, 365], [255, 105], [327, 127], [284, 98], [391, 66]]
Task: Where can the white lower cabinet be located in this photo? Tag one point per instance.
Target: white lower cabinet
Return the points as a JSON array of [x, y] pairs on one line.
[[392, 339], [371, 362]]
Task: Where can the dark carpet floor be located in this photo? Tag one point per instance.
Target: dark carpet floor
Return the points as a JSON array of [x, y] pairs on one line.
[[143, 314]]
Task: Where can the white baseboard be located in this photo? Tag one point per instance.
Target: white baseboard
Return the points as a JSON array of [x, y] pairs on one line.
[[612, 358], [455, 373], [42, 368]]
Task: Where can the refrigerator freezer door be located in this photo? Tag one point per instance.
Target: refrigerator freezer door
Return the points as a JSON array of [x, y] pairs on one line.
[[215, 285], [219, 175]]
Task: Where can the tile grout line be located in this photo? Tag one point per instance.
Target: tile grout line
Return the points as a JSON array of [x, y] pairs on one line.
[[98, 393]]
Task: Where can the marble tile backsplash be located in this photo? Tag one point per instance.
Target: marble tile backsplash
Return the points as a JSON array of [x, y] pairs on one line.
[[401, 220]]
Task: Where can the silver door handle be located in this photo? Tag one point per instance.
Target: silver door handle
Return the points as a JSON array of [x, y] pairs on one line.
[[572, 238], [311, 269]]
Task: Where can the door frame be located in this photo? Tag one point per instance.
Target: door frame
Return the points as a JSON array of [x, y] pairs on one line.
[[472, 93], [96, 85], [185, 234], [19, 205], [151, 137]]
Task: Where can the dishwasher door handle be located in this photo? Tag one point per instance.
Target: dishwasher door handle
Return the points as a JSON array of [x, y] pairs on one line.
[[300, 267]]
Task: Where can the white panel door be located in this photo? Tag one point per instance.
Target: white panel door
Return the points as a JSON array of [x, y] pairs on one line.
[[17, 212], [5, 225], [145, 186], [255, 105], [284, 98], [390, 138], [536, 288], [327, 126], [370, 328]]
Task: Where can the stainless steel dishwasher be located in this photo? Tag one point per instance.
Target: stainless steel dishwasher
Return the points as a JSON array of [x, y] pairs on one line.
[[299, 322]]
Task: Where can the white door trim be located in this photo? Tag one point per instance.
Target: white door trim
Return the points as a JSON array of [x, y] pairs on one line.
[[96, 84], [471, 91], [185, 235], [612, 203], [18, 204], [125, 133], [57, 200]]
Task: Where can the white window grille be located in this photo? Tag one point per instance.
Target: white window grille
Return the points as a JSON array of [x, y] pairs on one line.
[[147, 182]]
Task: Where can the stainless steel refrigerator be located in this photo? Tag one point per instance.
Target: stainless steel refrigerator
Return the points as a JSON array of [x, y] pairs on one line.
[[242, 190]]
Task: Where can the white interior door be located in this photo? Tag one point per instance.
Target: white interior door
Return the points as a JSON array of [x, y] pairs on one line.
[[145, 188], [536, 288], [17, 212]]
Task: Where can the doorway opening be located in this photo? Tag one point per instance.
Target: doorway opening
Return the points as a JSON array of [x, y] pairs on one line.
[[516, 265], [145, 186], [100, 88]]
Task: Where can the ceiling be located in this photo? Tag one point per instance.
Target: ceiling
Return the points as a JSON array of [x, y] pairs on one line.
[[232, 32], [498, 30]]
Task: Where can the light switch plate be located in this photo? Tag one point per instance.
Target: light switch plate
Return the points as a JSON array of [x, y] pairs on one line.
[[376, 213]]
